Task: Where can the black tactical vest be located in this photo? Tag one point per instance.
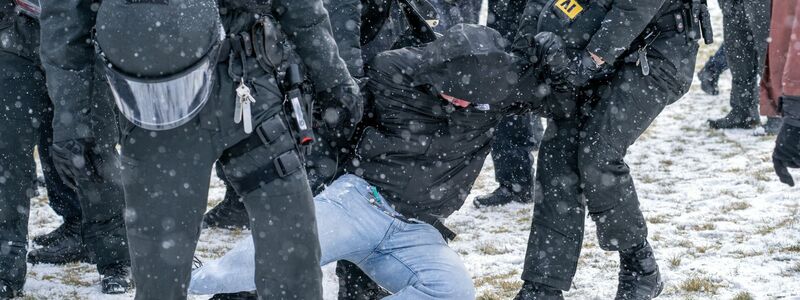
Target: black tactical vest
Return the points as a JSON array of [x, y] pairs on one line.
[[575, 21]]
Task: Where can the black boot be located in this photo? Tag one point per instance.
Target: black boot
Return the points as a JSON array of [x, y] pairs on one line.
[[68, 228], [534, 291], [502, 196], [116, 280], [736, 120], [639, 277], [235, 296], [6, 292], [709, 82], [229, 214], [773, 125], [66, 250]]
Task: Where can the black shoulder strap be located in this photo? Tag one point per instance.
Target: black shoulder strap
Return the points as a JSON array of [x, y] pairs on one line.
[[417, 24], [374, 15]]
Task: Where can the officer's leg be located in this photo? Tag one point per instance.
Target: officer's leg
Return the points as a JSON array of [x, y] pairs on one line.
[[628, 105], [16, 188], [102, 206], [511, 153], [709, 75], [62, 199], [22, 95], [230, 213], [556, 234], [740, 50], [271, 179], [166, 176]]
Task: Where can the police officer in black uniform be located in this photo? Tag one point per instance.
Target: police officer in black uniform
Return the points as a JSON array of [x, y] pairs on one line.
[[630, 59], [28, 118], [184, 110], [516, 136], [746, 35]]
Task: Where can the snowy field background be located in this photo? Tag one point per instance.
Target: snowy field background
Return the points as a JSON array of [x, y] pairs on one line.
[[722, 225]]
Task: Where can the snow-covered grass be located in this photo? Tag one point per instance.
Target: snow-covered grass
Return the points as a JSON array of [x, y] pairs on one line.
[[722, 226]]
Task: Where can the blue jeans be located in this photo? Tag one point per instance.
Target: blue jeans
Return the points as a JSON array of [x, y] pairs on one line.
[[355, 223]]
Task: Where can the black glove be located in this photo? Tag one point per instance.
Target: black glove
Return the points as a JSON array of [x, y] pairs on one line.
[[73, 162], [787, 153], [544, 49], [580, 70], [340, 110]]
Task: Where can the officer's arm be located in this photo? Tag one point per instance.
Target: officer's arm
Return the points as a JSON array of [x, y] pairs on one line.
[[345, 18], [68, 58], [625, 21], [308, 27], [529, 23]]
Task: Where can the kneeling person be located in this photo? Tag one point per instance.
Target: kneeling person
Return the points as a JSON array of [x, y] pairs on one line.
[[435, 108]]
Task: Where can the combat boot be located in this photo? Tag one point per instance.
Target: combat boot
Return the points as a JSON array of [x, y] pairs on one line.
[[709, 81], [116, 280], [68, 229], [534, 291], [66, 250], [229, 214], [502, 196], [639, 277], [6, 292], [736, 120]]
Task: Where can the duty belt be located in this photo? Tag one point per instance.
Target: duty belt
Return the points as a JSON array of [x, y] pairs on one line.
[[668, 23]]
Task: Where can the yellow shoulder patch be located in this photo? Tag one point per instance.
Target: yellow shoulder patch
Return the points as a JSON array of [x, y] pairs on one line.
[[571, 8]]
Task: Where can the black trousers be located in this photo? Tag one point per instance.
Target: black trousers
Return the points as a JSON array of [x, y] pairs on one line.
[[746, 33], [581, 167], [27, 121], [516, 136], [166, 176]]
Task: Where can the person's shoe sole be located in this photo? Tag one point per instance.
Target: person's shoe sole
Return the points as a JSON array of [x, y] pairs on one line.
[[77, 258], [715, 125]]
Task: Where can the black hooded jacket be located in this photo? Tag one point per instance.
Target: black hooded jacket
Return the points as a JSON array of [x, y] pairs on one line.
[[424, 153]]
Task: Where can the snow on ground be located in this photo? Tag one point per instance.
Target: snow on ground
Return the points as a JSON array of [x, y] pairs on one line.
[[722, 226]]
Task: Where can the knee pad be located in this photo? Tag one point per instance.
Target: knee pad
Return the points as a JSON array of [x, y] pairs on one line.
[[268, 154]]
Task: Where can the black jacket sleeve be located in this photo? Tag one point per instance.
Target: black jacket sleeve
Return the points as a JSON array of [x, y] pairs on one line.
[[307, 25], [69, 60], [625, 21], [345, 18], [529, 23]]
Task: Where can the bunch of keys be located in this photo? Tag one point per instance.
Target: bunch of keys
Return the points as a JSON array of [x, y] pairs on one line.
[[242, 112]]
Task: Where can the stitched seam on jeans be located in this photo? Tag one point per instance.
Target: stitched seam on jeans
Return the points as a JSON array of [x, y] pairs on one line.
[[392, 229]]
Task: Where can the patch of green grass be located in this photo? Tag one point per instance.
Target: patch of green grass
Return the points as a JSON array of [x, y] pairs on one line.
[[736, 205], [490, 249], [763, 174], [792, 248], [699, 285], [767, 229], [745, 254], [501, 229], [658, 219], [743, 296], [503, 286], [667, 163], [795, 268], [704, 227], [675, 261], [686, 244]]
